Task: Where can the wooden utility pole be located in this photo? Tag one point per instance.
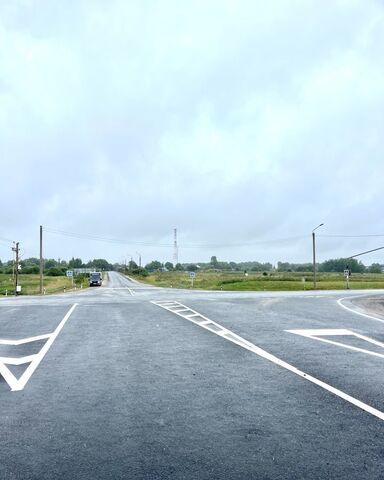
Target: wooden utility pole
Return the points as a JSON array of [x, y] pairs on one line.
[[16, 250], [41, 260]]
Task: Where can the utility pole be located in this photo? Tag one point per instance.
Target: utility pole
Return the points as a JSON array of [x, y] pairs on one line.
[[314, 254], [175, 248], [16, 250], [41, 260]]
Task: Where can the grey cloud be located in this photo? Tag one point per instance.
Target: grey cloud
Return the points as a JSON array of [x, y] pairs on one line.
[[243, 123]]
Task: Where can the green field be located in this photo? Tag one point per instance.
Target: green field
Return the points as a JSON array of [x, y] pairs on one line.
[[257, 281], [30, 284]]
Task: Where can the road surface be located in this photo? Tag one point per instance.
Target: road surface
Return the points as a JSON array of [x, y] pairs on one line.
[[128, 381]]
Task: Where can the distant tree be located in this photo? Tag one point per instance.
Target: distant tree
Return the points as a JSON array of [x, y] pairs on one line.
[[100, 264], [139, 271], [32, 261], [54, 272], [340, 264], [154, 266], [49, 263], [132, 265], [75, 263], [179, 267], [214, 262], [191, 267], [375, 268], [168, 266], [31, 269]]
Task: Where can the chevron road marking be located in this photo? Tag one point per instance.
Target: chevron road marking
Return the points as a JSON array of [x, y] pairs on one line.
[[34, 360], [207, 324]]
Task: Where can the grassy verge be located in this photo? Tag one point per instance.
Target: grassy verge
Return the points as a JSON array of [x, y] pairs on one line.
[[259, 282], [30, 284]]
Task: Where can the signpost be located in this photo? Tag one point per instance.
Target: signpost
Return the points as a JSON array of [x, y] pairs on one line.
[[192, 276], [347, 274], [69, 273]]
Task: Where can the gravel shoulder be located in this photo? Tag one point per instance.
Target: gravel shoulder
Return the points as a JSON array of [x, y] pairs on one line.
[[370, 305]]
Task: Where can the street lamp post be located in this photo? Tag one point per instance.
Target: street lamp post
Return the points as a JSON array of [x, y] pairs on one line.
[[314, 254]]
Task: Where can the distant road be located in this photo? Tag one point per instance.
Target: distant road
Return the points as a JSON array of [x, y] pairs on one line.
[[130, 381]]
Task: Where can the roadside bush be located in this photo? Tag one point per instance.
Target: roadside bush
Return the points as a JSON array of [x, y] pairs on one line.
[[81, 279], [54, 272], [139, 271], [30, 269]]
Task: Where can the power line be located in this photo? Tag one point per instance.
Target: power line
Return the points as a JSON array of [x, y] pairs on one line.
[[88, 236], [6, 240], [354, 236], [368, 251]]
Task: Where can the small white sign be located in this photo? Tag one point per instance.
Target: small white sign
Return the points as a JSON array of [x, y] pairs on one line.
[[69, 273], [192, 274], [18, 288], [346, 273]]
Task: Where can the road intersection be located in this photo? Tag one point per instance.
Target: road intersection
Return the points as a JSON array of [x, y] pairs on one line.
[[132, 381]]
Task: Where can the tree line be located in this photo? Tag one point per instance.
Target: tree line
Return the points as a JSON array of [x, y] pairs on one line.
[[54, 267], [332, 265], [58, 267]]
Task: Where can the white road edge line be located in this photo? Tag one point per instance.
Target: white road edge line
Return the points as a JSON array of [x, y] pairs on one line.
[[17, 385], [340, 302], [281, 363]]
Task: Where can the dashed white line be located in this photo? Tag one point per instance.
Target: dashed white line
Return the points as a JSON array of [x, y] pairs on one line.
[[234, 338]]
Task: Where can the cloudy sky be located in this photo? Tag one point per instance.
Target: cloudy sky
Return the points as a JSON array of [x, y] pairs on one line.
[[243, 123]]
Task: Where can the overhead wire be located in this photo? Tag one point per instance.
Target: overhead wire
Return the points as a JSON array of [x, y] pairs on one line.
[[100, 238], [352, 236]]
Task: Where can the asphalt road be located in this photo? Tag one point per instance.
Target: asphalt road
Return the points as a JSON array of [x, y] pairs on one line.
[[127, 381]]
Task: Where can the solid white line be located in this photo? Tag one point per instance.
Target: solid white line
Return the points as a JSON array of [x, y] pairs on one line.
[[24, 340], [8, 376], [339, 344], [358, 313], [321, 331], [370, 340], [17, 360], [39, 357], [277, 361]]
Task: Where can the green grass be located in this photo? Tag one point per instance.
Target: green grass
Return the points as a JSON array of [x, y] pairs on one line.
[[30, 284], [236, 281]]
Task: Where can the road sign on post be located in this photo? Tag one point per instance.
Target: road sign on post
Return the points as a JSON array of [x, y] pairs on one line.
[[347, 274], [69, 273], [192, 276]]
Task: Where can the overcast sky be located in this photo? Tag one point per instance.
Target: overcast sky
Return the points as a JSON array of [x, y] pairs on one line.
[[242, 123]]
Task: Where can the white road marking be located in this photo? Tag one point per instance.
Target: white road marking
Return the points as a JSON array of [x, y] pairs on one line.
[[317, 334], [234, 338], [3, 341], [17, 360], [340, 302], [34, 360]]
